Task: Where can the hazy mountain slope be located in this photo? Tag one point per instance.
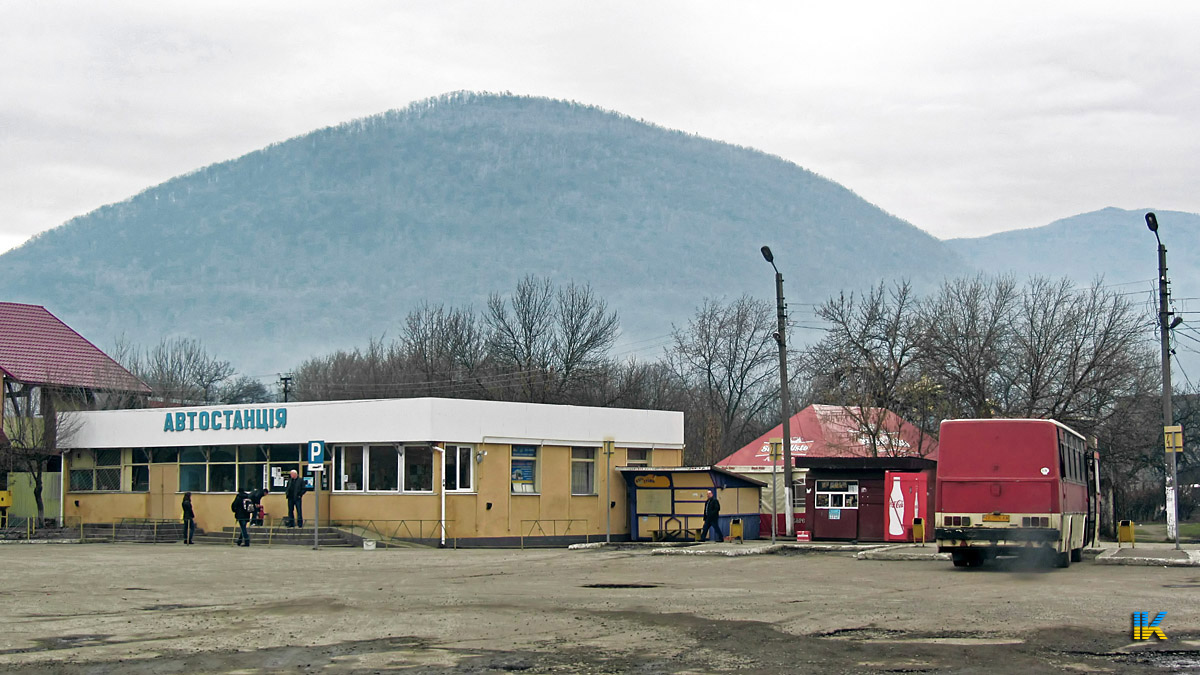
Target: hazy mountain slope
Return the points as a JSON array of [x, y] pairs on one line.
[[328, 239], [1113, 243]]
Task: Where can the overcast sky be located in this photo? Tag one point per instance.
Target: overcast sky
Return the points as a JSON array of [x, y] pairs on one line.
[[964, 118]]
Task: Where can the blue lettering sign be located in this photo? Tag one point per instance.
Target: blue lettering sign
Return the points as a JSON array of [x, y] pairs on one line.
[[218, 420]]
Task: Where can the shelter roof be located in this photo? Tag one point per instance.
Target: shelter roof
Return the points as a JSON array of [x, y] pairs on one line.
[[837, 431], [39, 349]]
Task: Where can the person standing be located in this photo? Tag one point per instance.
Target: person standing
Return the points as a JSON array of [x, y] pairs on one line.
[[241, 513], [712, 518], [189, 519], [295, 497]]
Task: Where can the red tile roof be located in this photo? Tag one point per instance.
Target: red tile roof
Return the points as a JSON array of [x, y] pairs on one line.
[[37, 348], [836, 431]]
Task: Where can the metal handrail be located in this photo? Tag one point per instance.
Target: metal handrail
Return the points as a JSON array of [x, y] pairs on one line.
[[391, 529], [537, 523]]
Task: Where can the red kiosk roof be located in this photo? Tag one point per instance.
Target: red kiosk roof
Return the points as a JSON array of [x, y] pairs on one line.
[[37, 348], [838, 431]]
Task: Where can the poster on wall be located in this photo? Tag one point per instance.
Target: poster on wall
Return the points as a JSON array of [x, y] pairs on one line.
[[523, 475]]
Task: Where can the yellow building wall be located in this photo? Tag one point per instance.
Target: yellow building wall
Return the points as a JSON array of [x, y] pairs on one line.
[[553, 511]]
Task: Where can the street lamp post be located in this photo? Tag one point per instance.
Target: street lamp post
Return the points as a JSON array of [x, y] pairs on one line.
[[1164, 329], [781, 338]]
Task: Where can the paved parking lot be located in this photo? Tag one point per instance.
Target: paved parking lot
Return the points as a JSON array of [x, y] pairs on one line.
[[216, 609]]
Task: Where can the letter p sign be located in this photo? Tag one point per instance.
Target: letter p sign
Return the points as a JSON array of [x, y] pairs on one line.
[[316, 452]]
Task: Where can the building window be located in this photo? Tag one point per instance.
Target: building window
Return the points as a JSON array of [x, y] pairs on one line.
[[583, 471], [97, 470], [637, 457], [229, 468], [524, 469], [460, 470], [383, 468], [193, 478], [837, 494], [418, 468], [139, 470], [348, 468], [799, 498]]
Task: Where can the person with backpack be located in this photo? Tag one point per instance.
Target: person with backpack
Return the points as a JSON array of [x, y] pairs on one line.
[[241, 513]]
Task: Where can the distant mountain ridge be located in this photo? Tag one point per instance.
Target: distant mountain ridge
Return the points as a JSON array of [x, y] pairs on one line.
[[1113, 244], [328, 239]]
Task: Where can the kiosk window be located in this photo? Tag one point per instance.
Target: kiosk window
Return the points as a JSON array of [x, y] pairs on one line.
[[836, 494]]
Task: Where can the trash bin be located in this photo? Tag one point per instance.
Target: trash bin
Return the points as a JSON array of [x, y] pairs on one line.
[[1125, 533], [918, 530], [735, 530]]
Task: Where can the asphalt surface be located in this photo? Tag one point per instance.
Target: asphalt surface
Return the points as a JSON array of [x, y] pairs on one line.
[[170, 608]]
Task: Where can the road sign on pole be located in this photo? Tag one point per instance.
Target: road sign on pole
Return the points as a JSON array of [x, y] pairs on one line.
[[316, 455]]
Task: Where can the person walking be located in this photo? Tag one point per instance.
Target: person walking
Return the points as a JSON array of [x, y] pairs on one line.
[[241, 513], [712, 518], [189, 519], [295, 497]]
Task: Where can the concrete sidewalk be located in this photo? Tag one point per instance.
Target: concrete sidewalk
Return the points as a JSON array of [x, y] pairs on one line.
[[1156, 554]]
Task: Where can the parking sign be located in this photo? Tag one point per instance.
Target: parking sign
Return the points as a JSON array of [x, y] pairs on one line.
[[316, 452]]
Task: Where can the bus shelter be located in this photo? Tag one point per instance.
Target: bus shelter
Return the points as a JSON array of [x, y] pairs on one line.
[[667, 503]]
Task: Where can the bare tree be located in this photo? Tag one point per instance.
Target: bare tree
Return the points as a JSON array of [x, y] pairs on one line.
[[726, 359], [179, 370], [867, 363], [548, 340], [33, 433], [965, 340]]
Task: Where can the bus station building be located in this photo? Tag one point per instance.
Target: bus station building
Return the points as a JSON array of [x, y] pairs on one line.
[[483, 473]]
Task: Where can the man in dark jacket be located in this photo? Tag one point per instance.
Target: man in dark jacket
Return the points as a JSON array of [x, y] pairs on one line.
[[256, 495], [712, 517], [295, 495], [241, 513]]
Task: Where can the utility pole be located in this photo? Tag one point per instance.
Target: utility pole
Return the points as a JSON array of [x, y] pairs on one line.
[[1165, 324], [287, 382], [784, 407]]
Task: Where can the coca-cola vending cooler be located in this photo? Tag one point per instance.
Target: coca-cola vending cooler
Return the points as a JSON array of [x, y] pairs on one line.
[[906, 499]]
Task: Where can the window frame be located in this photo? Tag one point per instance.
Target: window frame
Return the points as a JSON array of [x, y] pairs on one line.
[[464, 456], [530, 457], [644, 461], [587, 462], [825, 491]]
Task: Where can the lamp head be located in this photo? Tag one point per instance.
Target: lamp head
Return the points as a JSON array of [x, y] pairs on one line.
[[1152, 222], [766, 251]]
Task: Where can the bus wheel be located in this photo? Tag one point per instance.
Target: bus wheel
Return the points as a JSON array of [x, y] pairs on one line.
[[961, 559], [1077, 555], [1063, 560]]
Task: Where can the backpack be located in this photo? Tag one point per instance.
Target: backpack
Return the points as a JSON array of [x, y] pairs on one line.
[[248, 507]]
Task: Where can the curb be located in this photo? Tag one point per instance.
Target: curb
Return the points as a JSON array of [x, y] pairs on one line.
[[903, 552], [1109, 557]]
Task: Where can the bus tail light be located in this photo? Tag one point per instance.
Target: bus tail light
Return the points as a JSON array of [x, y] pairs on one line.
[[1026, 521], [966, 521], [946, 521]]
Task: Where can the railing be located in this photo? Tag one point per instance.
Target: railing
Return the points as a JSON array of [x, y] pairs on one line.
[[25, 528], [400, 530], [540, 526]]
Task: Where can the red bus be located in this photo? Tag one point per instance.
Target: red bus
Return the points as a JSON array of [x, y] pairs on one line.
[[1015, 487]]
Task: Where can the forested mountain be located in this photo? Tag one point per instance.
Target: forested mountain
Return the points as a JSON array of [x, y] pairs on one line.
[[326, 240], [1113, 243]]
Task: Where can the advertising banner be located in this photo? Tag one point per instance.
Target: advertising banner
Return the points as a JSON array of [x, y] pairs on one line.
[[906, 500]]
